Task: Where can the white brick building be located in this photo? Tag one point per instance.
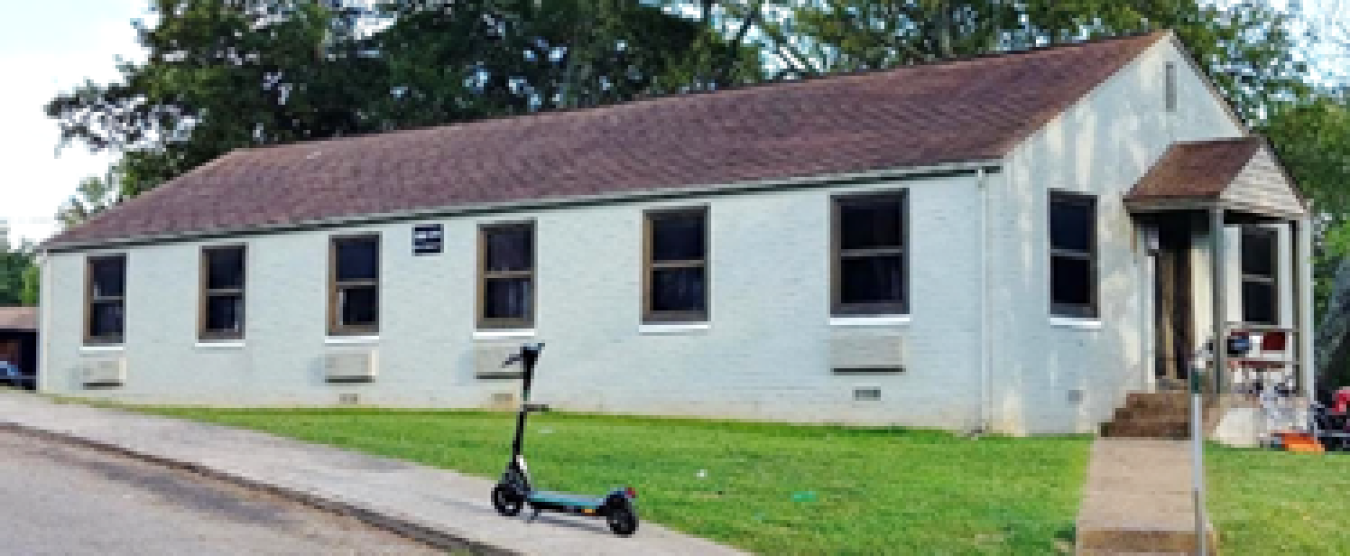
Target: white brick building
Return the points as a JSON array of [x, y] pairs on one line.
[[874, 248]]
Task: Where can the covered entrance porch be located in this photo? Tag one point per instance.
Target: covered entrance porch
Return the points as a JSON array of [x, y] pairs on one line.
[[1227, 244]]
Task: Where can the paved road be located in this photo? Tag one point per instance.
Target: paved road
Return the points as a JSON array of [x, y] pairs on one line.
[[60, 499]]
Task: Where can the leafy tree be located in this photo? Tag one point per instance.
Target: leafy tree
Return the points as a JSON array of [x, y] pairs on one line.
[[93, 195], [1248, 48], [225, 74], [14, 263], [32, 284]]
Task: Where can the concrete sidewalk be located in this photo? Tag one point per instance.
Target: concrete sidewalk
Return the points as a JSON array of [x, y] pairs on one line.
[[440, 507], [1138, 499]]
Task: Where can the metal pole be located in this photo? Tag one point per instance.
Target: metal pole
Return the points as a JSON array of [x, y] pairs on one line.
[[1219, 359], [1219, 267], [1198, 458]]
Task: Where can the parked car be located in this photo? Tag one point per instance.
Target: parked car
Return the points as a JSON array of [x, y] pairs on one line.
[[11, 375]]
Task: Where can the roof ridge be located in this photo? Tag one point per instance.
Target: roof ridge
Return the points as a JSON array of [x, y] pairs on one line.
[[669, 97]]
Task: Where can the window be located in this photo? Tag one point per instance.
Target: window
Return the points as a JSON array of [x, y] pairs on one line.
[[1260, 303], [870, 264], [1073, 255], [105, 317], [222, 304], [506, 277], [676, 273], [1170, 87], [354, 287]]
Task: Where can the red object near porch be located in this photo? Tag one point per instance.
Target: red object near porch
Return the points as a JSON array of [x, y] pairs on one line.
[[1342, 400]]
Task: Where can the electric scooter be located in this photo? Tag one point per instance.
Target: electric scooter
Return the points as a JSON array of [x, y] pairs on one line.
[[515, 489]]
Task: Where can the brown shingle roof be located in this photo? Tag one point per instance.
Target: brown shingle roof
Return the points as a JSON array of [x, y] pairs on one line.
[[1196, 170], [964, 110], [18, 318]]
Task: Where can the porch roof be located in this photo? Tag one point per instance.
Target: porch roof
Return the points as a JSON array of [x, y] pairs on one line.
[[22, 319], [1241, 174]]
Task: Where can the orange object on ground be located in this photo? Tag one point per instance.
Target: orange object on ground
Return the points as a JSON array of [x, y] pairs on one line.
[[1299, 442]]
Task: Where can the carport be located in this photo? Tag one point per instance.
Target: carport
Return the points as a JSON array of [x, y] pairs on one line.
[[19, 340]]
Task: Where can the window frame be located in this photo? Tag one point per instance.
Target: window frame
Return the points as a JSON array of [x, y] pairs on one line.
[[1273, 280], [1092, 310], [90, 300], [838, 308], [480, 309], [206, 293], [335, 326], [650, 266]]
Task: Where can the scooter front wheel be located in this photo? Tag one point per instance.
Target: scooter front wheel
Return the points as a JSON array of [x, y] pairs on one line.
[[506, 500], [622, 519]]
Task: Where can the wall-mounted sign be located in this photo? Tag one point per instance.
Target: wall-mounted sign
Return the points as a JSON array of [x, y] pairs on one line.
[[428, 239]]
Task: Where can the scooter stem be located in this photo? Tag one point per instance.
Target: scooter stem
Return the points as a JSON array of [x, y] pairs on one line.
[[529, 355]]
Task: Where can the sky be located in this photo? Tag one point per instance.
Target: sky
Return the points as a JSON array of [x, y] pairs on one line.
[[62, 43]]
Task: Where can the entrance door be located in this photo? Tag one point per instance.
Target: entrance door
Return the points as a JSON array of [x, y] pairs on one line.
[[1172, 303]]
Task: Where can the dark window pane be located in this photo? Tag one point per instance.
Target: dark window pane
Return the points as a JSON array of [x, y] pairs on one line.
[[358, 259], [870, 224], [509, 248], [1258, 302], [359, 306], [1258, 253], [224, 269], [105, 319], [109, 277], [225, 313], [677, 289], [506, 298], [677, 237], [1071, 225], [871, 280], [1070, 281]]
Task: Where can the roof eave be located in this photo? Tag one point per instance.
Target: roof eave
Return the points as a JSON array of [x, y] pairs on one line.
[[1173, 204], [806, 182]]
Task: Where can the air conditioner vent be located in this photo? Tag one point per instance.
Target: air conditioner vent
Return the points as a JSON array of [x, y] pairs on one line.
[[350, 366], [488, 358], [503, 400], [866, 394], [856, 351], [103, 371]]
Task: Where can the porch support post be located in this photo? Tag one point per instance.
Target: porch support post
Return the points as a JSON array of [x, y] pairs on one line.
[[1219, 295], [1303, 305]]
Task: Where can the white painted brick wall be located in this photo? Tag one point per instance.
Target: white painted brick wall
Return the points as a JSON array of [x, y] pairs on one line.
[[765, 356]]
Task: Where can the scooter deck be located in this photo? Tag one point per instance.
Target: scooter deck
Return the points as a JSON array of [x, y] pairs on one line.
[[565, 499]]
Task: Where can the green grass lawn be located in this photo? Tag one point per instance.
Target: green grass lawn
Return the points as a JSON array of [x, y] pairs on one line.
[[1266, 502], [763, 487]]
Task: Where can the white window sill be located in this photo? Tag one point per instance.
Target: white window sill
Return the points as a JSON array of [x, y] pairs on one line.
[[674, 328], [350, 340], [879, 320], [223, 344], [1080, 324], [503, 334], [103, 348]]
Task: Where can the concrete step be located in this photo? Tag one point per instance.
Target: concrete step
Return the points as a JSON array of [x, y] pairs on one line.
[[1132, 413], [1159, 429], [1161, 401]]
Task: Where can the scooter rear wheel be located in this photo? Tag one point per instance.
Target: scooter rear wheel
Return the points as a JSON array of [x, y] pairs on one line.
[[622, 520], [506, 500]]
